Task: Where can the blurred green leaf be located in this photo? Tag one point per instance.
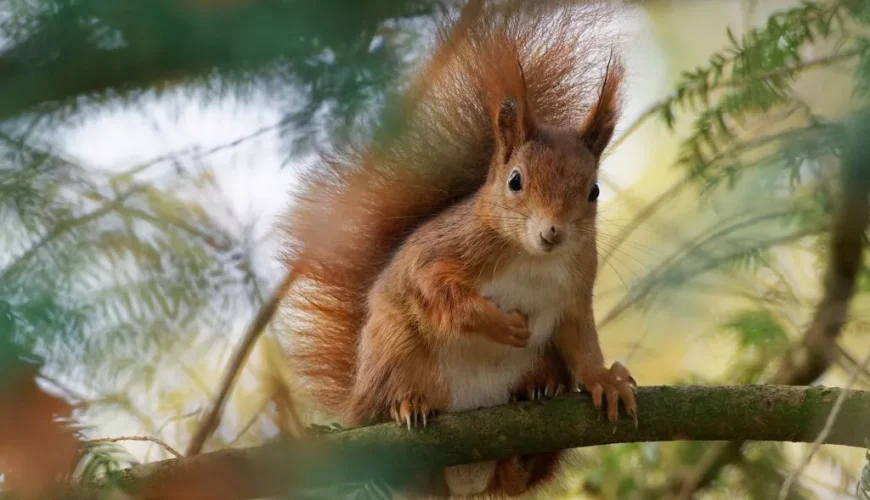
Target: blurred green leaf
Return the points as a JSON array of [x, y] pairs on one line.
[[757, 328], [337, 55]]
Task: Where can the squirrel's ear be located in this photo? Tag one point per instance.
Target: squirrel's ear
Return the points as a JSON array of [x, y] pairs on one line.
[[513, 126], [598, 128]]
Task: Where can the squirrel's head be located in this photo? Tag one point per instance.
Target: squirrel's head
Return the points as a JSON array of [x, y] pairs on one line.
[[542, 190]]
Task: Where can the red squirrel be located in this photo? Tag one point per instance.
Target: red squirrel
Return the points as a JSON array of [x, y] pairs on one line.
[[449, 263]]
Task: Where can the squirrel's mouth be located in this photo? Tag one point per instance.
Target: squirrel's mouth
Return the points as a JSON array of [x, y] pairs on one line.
[[545, 234], [543, 247]]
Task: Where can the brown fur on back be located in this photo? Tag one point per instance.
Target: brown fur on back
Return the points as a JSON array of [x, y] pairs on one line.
[[356, 208]]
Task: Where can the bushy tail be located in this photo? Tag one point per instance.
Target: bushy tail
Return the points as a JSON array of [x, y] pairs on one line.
[[355, 208]]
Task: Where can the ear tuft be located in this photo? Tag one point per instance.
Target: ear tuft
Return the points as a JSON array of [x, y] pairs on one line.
[[597, 130], [508, 125], [507, 114], [506, 100], [513, 126]]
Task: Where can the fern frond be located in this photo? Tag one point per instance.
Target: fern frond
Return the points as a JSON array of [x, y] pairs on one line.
[[760, 66], [752, 77]]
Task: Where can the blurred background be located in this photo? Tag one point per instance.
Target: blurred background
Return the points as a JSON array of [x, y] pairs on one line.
[[147, 153]]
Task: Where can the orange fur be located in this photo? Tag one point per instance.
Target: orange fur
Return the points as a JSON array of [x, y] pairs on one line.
[[398, 242]]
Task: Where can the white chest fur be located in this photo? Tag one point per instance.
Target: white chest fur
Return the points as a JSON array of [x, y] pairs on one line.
[[482, 373]]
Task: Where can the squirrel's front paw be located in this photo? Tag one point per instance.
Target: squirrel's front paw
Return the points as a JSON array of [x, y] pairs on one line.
[[509, 329], [614, 383], [412, 411]]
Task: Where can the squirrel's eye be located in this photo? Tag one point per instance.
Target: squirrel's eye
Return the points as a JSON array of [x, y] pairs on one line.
[[515, 181], [593, 193]]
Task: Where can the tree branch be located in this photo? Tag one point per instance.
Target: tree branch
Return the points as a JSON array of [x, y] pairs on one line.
[[240, 356], [392, 453]]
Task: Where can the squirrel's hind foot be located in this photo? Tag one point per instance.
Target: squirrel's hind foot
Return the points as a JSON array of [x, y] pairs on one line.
[[535, 391], [546, 381], [412, 411]]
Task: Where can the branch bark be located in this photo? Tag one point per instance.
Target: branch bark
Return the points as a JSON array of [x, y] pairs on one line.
[[392, 453]]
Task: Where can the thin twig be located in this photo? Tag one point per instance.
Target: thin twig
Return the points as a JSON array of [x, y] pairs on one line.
[[175, 155], [159, 442], [787, 484], [177, 418], [240, 356], [848, 362]]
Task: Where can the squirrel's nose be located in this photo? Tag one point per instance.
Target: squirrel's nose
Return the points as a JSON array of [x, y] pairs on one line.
[[552, 236]]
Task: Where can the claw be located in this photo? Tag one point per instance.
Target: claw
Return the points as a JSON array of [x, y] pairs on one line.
[[597, 396], [538, 387], [411, 412], [614, 385]]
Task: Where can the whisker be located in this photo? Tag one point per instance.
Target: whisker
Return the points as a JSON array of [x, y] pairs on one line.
[[505, 207], [501, 254], [619, 276], [644, 251], [612, 254], [601, 236]]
